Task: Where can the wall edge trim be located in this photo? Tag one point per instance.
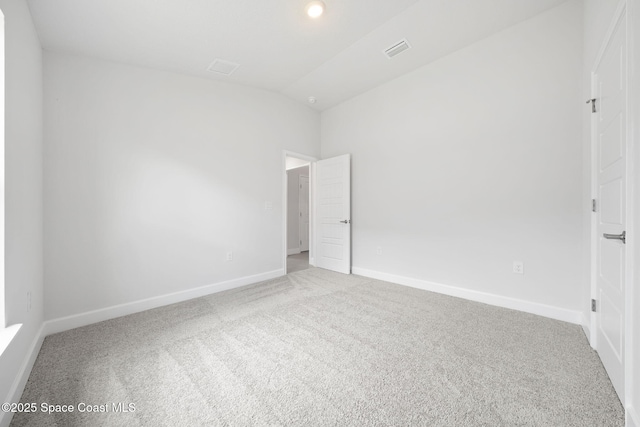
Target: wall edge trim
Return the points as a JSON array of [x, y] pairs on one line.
[[66, 323], [557, 313], [22, 376]]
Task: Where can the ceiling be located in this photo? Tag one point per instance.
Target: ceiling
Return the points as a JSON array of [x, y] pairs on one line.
[[279, 48]]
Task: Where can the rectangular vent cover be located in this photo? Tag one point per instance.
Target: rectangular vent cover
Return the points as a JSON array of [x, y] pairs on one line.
[[397, 48], [221, 66]]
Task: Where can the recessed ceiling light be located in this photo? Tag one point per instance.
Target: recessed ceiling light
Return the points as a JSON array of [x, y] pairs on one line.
[[315, 8], [312, 100]]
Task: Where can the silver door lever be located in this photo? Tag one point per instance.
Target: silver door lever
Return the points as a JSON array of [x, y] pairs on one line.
[[346, 221], [622, 236]]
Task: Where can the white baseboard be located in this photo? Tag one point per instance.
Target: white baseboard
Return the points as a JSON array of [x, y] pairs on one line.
[[586, 326], [83, 319], [20, 381], [632, 418], [293, 251], [571, 316]]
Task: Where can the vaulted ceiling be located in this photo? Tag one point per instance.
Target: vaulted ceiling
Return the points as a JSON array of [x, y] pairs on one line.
[[278, 47]]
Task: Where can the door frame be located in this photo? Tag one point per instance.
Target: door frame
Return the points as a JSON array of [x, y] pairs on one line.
[[312, 160], [621, 15]]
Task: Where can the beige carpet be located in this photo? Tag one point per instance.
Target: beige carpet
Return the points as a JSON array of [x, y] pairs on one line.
[[298, 262], [316, 348]]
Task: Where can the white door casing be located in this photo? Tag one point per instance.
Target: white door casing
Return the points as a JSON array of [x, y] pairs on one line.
[[303, 188], [312, 211], [609, 86], [333, 186]]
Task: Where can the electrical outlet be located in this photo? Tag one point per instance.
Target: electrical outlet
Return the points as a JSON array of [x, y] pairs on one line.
[[268, 206], [518, 267], [379, 250], [229, 256], [28, 301]]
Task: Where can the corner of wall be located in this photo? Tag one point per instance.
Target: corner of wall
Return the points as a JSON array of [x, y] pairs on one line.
[[23, 147]]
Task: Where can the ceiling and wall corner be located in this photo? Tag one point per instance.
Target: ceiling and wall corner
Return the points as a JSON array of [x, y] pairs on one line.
[[332, 58]]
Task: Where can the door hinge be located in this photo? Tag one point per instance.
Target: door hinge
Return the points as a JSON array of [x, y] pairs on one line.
[[593, 104], [300, 241], [593, 305], [593, 205]]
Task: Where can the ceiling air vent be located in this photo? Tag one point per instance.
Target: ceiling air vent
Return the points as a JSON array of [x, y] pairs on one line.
[[397, 48], [221, 66]]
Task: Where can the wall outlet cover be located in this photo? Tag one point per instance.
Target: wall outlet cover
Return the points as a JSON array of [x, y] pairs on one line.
[[518, 267]]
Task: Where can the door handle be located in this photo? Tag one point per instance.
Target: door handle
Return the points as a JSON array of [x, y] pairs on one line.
[[346, 221], [622, 236]]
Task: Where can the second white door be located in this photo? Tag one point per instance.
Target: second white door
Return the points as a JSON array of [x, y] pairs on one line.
[[333, 184]]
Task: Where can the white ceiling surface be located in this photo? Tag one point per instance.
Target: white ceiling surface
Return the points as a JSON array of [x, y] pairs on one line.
[[277, 46]]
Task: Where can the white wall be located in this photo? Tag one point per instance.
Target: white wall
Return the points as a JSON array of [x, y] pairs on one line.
[[293, 207], [151, 177], [472, 162], [23, 192]]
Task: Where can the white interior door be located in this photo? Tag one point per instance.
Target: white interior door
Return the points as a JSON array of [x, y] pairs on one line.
[[333, 184], [610, 90], [304, 212]]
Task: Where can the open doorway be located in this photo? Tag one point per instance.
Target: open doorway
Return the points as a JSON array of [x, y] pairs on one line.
[[298, 240], [328, 227], [298, 178]]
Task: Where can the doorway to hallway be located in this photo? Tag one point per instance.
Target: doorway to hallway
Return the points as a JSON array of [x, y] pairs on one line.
[[298, 233]]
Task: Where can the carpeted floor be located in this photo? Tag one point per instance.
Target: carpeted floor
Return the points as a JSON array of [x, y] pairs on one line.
[[298, 262], [317, 348]]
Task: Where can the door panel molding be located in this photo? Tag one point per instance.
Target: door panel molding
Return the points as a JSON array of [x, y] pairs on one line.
[[333, 207]]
